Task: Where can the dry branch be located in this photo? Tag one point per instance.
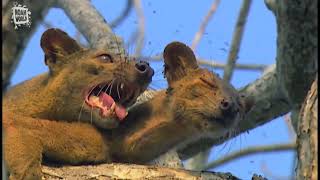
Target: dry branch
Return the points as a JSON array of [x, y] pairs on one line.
[[250, 151], [210, 63], [204, 24], [125, 13], [140, 33], [236, 40]]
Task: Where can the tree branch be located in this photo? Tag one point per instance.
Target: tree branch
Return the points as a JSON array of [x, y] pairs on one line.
[[141, 21], [204, 24], [297, 49], [236, 40], [92, 25], [123, 15], [210, 63], [126, 171], [250, 151]]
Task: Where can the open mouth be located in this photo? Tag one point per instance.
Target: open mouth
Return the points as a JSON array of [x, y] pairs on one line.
[[112, 98]]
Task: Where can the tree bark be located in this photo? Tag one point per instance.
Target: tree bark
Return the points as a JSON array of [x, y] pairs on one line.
[[297, 48], [307, 137], [126, 171]]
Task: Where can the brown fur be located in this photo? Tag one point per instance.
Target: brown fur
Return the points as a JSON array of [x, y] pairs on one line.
[[193, 106]]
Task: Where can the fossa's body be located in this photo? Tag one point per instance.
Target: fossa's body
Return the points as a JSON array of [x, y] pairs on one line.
[[196, 104]]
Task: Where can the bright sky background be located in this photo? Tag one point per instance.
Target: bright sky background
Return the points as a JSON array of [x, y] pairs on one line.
[[179, 20]]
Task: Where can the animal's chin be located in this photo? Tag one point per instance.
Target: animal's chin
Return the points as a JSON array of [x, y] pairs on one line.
[[112, 97]]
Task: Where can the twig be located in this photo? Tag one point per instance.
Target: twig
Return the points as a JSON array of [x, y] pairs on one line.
[[250, 151], [123, 15], [203, 25], [236, 40], [211, 63], [140, 39]]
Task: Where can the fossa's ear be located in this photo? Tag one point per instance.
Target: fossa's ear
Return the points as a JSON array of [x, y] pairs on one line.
[[178, 59], [56, 44]]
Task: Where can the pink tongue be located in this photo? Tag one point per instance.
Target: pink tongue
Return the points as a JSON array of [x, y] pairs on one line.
[[121, 112], [108, 101]]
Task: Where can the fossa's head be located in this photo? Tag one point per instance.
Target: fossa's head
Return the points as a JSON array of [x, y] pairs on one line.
[[87, 83], [201, 98]]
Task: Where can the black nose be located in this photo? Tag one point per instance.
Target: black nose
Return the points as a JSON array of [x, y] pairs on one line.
[[144, 69], [225, 105], [228, 108]]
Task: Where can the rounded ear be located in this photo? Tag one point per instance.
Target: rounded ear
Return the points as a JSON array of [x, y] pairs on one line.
[[56, 44], [178, 59]]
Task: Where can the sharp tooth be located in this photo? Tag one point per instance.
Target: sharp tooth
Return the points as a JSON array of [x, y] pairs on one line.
[[113, 106], [94, 100], [121, 86]]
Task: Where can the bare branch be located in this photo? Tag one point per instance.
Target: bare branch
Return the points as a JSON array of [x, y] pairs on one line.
[[123, 15], [250, 151], [204, 24], [91, 24], [236, 40], [141, 21], [211, 63]]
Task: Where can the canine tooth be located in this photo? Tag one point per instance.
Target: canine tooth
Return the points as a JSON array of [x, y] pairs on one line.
[[113, 106], [121, 86]]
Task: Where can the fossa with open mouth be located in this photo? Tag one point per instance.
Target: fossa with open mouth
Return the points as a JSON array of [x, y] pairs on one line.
[[85, 85]]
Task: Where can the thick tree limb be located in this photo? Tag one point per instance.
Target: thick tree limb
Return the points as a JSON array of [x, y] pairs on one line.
[[15, 40], [297, 48], [125, 171], [92, 25], [307, 136]]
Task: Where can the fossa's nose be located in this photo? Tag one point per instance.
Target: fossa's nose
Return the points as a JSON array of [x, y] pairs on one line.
[[144, 69]]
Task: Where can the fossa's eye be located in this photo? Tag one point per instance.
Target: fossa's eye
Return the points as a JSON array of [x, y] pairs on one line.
[[106, 58], [208, 82]]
